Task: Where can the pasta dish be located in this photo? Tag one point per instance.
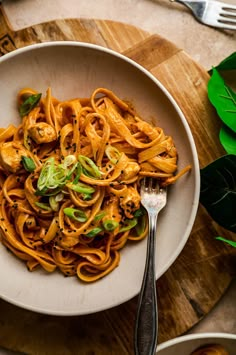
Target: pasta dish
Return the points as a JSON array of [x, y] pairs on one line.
[[69, 180], [214, 349]]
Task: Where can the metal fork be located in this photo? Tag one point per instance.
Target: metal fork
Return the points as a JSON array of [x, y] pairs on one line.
[[212, 13], [153, 198]]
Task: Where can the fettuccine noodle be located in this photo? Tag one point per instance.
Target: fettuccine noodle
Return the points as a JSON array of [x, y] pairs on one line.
[[69, 178]]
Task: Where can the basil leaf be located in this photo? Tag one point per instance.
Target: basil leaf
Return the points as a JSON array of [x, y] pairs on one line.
[[218, 191], [223, 98], [228, 63], [228, 140], [29, 104]]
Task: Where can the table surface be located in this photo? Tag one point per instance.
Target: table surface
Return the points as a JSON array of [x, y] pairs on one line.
[[206, 45]]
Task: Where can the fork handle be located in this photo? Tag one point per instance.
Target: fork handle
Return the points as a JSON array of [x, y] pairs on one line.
[[145, 337]]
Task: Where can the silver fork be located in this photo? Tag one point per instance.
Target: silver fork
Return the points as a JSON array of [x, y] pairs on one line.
[[212, 13], [153, 198]]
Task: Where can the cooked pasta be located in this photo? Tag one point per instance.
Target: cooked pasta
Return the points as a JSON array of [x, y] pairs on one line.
[[69, 178], [214, 349]]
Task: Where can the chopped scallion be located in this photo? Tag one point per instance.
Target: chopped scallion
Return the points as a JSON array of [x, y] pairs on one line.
[[28, 164], [99, 216], [89, 166], [128, 224], [81, 188], [94, 232], [29, 104], [78, 173], [140, 226], [54, 204], [140, 212], [75, 214], [113, 154], [110, 225], [43, 206]]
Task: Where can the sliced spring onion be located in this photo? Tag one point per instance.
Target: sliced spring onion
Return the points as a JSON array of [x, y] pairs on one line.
[[54, 176], [110, 225], [113, 154], [43, 206], [54, 201], [140, 212], [81, 188], [28, 164], [68, 161], [59, 197], [94, 232], [99, 216], [29, 104], [75, 214], [47, 192], [89, 166], [140, 226], [87, 197], [128, 224], [78, 173]]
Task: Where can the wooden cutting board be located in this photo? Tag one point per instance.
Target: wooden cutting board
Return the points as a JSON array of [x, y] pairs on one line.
[[203, 271]]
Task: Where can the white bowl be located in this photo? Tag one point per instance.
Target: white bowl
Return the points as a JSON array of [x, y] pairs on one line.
[[75, 69], [186, 344]]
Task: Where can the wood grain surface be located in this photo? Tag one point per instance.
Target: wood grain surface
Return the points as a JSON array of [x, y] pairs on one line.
[[205, 268]]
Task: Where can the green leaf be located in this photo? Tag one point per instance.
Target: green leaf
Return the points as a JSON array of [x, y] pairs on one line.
[[218, 191], [228, 63], [29, 104], [223, 98], [228, 140], [230, 242]]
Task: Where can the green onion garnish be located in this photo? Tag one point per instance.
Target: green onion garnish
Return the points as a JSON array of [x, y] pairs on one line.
[[81, 188], [29, 104], [128, 224], [78, 173], [140, 212], [94, 232], [54, 201], [54, 176], [140, 226], [99, 216], [75, 214], [28, 164], [87, 197], [89, 166], [43, 206], [110, 225], [113, 154]]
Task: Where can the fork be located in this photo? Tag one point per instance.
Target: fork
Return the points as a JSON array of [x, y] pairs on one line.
[[212, 13], [153, 198]]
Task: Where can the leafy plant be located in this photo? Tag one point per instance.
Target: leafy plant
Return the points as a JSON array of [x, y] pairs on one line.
[[218, 179], [218, 190]]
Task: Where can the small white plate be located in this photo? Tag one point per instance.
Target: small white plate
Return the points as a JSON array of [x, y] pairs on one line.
[[74, 69], [186, 344]]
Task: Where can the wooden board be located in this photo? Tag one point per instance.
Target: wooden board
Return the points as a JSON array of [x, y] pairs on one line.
[[203, 271]]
